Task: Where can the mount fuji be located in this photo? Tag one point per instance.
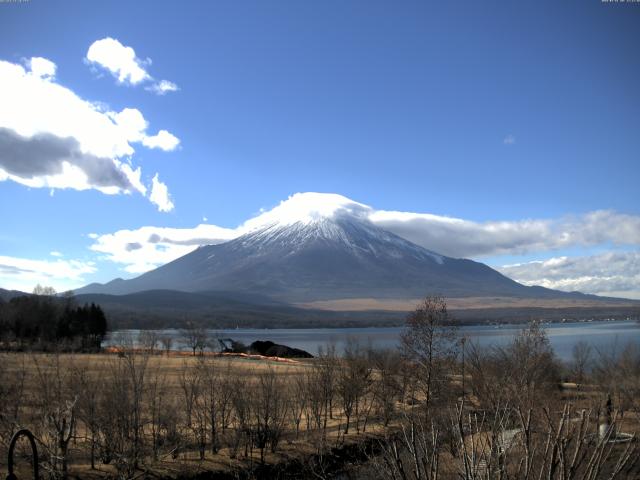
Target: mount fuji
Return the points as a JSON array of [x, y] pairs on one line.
[[322, 247]]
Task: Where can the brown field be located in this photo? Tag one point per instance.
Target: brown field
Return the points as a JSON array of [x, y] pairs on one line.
[[174, 415], [171, 369], [468, 303]]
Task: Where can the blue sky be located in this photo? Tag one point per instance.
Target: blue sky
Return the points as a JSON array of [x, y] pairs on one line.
[[494, 113]]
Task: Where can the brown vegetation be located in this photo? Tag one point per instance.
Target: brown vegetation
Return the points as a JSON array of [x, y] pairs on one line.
[[439, 408], [466, 303]]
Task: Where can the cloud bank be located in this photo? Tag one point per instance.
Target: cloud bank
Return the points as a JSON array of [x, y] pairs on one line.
[[45, 160], [121, 61], [52, 138], [146, 248], [23, 274], [456, 237], [611, 273]]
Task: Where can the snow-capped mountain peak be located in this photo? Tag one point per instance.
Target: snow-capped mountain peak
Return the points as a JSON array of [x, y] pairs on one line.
[[317, 246], [307, 208]]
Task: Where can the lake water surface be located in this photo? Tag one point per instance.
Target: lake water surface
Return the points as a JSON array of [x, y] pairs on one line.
[[601, 335]]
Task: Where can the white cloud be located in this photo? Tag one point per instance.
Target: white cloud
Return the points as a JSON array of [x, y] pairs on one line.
[[24, 274], [47, 161], [162, 140], [120, 60], [456, 237], [42, 67], [52, 138], [162, 87], [609, 274], [125, 66], [509, 140], [131, 124], [160, 195], [133, 127], [149, 247], [56, 254]]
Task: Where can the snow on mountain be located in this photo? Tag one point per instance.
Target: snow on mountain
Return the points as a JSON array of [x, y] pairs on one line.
[[352, 234], [307, 208], [318, 247], [311, 215]]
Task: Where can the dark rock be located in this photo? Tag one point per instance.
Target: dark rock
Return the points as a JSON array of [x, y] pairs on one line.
[[270, 349]]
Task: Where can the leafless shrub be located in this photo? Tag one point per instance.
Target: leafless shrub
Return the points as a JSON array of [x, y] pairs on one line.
[[195, 337], [582, 359], [354, 380], [12, 393], [57, 401], [148, 341], [387, 387], [167, 342], [617, 371], [269, 411], [122, 409], [89, 387]]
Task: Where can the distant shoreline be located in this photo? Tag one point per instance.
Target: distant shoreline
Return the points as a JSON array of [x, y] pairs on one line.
[[563, 336]]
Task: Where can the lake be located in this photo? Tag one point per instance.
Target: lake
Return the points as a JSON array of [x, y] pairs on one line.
[[601, 335]]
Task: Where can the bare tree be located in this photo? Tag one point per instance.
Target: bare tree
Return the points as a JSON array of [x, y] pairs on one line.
[[122, 409], [353, 381], [269, 411], [89, 386], [315, 392], [241, 401], [44, 291], [167, 343], [581, 361], [212, 391], [327, 366], [298, 401], [148, 340], [413, 453], [156, 404], [224, 396], [617, 371], [522, 374], [13, 377], [429, 344], [566, 447], [189, 379], [57, 403], [135, 367], [195, 337], [387, 387]]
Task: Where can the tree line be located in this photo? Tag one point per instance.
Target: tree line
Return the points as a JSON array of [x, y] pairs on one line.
[[45, 321]]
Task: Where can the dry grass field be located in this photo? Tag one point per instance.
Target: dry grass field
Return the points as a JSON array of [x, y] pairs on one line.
[[133, 413], [171, 379], [466, 303]]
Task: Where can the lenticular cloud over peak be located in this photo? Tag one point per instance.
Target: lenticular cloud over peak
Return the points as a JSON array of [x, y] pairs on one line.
[[307, 208]]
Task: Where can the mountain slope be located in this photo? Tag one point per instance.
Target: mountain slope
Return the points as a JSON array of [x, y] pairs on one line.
[[6, 295], [307, 253]]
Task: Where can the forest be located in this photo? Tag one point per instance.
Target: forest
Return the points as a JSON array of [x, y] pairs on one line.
[[44, 321]]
